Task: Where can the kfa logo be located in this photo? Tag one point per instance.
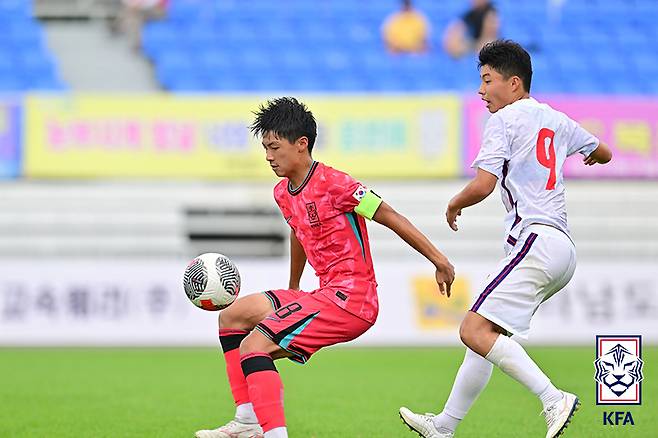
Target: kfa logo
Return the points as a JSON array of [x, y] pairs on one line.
[[312, 212], [618, 418], [618, 370]]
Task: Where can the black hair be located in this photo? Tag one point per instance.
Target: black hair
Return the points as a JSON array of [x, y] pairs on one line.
[[286, 117], [509, 59]]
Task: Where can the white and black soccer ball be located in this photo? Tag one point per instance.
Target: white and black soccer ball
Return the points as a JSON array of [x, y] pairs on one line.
[[211, 281]]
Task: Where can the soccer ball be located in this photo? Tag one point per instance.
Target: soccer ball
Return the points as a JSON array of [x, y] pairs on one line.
[[211, 281]]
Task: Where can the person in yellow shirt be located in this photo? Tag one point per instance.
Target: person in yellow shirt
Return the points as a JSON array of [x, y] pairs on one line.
[[406, 31]]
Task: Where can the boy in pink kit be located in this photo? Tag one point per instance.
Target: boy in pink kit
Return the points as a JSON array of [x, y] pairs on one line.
[[326, 211]]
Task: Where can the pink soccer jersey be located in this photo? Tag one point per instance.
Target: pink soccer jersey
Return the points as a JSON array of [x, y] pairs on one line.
[[321, 213]]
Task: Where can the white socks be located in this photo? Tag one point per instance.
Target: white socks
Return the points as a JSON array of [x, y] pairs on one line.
[[277, 432], [244, 413], [472, 377], [512, 359]]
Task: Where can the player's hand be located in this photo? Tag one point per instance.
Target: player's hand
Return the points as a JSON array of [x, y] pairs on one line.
[[589, 161], [445, 275], [451, 216]]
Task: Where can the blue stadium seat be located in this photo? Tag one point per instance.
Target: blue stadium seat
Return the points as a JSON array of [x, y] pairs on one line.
[[625, 86], [584, 85], [317, 32], [36, 64], [158, 38], [25, 35], [573, 63], [215, 60], [25, 60], [353, 83], [608, 64], [185, 83], [294, 59], [255, 60], [16, 9], [176, 60], [336, 62], [645, 63], [241, 32], [337, 46], [226, 83], [44, 84], [301, 82], [177, 70], [630, 36], [10, 84]]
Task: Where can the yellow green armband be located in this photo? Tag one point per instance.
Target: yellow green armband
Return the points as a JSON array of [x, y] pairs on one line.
[[368, 205]]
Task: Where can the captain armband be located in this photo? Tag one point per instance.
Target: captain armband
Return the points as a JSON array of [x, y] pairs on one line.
[[370, 202]]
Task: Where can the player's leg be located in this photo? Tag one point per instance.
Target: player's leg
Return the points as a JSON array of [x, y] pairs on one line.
[[472, 377], [512, 359], [488, 340], [295, 330], [235, 323], [541, 267], [257, 354]]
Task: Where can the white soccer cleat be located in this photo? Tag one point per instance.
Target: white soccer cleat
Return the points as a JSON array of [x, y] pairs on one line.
[[559, 414], [233, 429], [422, 424]]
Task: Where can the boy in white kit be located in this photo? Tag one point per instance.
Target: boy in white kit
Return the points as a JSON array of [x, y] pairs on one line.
[[525, 144]]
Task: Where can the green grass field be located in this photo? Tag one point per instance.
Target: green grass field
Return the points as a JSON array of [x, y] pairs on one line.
[[341, 392]]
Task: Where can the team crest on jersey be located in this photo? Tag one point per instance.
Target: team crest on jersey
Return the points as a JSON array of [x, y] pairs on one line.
[[618, 367], [312, 212], [359, 193]]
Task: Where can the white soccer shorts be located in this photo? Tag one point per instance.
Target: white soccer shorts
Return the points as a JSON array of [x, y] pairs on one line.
[[541, 263]]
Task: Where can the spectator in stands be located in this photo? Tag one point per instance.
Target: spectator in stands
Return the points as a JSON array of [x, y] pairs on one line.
[[133, 15], [478, 26], [406, 31]]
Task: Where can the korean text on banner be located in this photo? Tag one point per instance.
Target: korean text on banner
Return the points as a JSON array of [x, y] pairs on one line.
[[207, 137], [142, 302], [629, 126]]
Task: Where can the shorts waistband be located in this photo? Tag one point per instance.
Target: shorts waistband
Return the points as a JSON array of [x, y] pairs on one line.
[[543, 229]]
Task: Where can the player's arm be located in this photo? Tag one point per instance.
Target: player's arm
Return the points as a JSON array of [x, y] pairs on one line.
[[297, 261], [400, 225], [475, 191], [601, 155]]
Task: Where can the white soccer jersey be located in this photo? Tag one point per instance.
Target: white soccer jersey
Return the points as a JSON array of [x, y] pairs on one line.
[[525, 145]]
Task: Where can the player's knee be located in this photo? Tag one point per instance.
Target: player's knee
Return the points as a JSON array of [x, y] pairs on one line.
[[247, 345], [467, 333], [256, 343], [232, 319]]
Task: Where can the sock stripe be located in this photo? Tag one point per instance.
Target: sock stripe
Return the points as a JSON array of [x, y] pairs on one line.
[[229, 331], [250, 355], [256, 362], [232, 341]]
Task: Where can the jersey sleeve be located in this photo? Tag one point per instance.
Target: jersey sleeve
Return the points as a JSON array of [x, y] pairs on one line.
[[350, 195], [495, 149], [581, 140]]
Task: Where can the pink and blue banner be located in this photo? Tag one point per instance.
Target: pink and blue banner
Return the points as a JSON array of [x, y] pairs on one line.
[[628, 125], [10, 139], [29, 130]]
